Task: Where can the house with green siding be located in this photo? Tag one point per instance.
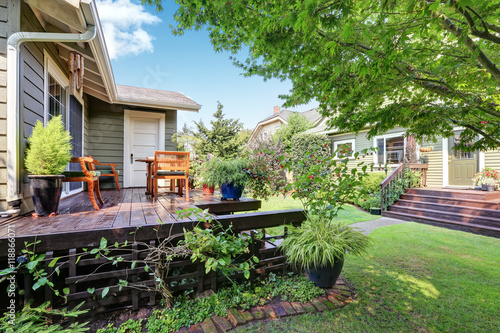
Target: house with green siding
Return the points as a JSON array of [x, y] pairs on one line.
[[54, 61], [447, 167]]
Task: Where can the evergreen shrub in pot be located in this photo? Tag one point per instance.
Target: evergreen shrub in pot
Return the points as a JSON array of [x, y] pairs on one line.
[[230, 175], [48, 153]]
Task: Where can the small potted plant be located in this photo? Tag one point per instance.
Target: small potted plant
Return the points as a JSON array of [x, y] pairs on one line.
[[319, 246], [204, 176], [48, 153], [230, 175], [487, 179]]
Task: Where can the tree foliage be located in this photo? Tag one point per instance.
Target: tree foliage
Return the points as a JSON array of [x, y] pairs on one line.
[[296, 123], [428, 65], [223, 139]]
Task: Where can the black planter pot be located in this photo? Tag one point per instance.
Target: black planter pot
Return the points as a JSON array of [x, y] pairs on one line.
[[375, 211], [325, 277], [229, 191], [46, 192]]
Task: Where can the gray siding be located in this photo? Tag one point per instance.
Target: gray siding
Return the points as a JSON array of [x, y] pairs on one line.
[[32, 87], [104, 128], [104, 134]]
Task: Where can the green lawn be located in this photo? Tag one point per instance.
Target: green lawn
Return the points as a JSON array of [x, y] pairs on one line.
[[348, 215], [416, 278]]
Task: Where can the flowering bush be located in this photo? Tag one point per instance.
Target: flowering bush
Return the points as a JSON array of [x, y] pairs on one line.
[[486, 176], [324, 185], [266, 174]]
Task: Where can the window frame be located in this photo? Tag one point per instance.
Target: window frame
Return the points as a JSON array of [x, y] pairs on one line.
[[341, 142], [385, 137]]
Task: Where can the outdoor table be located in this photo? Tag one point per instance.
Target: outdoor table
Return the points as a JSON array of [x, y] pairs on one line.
[[149, 180]]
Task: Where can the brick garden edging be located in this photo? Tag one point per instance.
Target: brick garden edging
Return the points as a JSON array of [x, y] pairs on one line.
[[338, 296]]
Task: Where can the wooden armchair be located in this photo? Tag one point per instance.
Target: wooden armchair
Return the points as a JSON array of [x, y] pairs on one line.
[[173, 165], [107, 172], [89, 175]]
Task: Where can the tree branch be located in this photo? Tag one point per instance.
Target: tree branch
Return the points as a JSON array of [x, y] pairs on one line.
[[483, 59]]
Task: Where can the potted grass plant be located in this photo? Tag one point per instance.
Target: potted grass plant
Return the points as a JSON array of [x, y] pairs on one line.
[[48, 153], [230, 175], [319, 246]]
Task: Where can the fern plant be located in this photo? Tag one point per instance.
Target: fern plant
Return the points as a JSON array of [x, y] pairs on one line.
[[49, 148]]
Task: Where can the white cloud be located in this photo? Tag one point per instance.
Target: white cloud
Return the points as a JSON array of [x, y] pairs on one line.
[[122, 22]]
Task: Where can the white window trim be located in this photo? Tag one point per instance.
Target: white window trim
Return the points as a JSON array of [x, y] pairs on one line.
[[337, 143], [53, 70], [385, 137], [126, 138]]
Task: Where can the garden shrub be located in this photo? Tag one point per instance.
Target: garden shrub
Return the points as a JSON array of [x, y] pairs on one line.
[[315, 146], [371, 183]]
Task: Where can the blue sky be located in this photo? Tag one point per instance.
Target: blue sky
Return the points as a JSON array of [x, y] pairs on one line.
[[144, 53]]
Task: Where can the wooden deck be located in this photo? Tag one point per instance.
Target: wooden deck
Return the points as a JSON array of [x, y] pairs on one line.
[[126, 208]]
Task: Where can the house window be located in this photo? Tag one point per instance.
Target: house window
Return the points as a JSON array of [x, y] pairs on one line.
[[56, 98], [344, 149], [390, 149]]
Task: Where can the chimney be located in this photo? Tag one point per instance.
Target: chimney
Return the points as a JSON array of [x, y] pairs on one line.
[[276, 109]]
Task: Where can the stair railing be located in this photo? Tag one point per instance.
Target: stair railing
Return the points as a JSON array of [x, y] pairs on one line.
[[389, 184], [392, 181]]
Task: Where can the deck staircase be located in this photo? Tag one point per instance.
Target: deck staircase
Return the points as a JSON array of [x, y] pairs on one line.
[[468, 210]]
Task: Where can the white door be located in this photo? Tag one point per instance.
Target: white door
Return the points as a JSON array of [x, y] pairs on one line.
[[144, 133]]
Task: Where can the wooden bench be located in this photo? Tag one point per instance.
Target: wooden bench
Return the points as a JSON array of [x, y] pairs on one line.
[[89, 175], [107, 172]]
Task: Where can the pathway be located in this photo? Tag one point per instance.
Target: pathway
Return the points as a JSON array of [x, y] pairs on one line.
[[368, 226]]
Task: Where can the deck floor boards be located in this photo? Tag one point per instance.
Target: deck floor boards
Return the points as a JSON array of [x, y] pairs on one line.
[[125, 208]]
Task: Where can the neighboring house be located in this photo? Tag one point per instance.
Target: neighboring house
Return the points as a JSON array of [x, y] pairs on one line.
[[113, 123], [447, 166], [267, 127]]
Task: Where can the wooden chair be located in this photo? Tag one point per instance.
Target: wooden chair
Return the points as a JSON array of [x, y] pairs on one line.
[[173, 165], [89, 175], [106, 172]]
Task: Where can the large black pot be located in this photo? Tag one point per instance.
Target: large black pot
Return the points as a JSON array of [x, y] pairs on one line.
[[325, 277], [46, 192], [229, 191]]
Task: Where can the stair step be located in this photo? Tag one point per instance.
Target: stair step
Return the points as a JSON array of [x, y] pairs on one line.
[[458, 209], [444, 215], [410, 217], [458, 194], [451, 201]]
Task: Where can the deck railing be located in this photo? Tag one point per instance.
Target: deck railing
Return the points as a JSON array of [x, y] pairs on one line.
[[91, 277], [390, 185]]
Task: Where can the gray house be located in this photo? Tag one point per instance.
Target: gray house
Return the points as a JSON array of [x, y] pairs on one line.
[[53, 60]]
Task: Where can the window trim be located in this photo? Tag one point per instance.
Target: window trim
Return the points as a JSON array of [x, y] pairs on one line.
[[52, 69], [385, 137], [341, 142]]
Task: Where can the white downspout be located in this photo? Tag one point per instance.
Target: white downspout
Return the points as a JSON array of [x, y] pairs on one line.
[[13, 97]]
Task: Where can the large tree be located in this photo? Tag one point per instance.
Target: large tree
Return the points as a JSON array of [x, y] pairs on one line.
[[428, 65], [224, 139]]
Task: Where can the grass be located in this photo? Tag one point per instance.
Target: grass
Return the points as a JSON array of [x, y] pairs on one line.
[[348, 215], [416, 278]]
